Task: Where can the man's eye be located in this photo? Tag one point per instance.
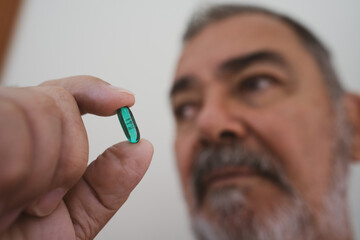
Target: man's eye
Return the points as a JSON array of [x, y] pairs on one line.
[[186, 111], [257, 83]]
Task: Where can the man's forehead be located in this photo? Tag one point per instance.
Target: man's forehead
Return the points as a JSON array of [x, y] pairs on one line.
[[235, 36], [242, 29]]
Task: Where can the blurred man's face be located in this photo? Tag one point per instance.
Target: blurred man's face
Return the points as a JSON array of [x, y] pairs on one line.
[[256, 133]]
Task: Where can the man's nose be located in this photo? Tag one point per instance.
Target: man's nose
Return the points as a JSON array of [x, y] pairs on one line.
[[217, 122]]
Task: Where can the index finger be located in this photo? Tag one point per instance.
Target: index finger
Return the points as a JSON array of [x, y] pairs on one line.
[[94, 95]]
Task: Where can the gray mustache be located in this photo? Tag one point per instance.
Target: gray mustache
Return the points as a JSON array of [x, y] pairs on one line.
[[214, 158]]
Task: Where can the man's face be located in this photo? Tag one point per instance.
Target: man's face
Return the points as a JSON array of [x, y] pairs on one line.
[[256, 131]]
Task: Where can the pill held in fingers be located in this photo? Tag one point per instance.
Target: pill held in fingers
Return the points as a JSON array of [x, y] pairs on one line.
[[128, 124]]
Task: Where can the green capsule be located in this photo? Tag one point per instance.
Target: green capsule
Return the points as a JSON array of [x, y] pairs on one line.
[[128, 124]]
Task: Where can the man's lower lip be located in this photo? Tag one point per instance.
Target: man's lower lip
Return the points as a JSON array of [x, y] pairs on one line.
[[230, 179]]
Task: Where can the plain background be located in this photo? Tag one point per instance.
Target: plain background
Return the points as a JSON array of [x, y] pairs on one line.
[[135, 45]]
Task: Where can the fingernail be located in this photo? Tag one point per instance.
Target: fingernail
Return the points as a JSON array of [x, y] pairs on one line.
[[121, 89], [48, 203]]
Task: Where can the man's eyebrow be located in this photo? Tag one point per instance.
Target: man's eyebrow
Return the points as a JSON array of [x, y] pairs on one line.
[[232, 65], [182, 84], [239, 63]]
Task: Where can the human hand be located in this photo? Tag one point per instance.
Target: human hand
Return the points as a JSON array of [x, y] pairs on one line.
[[47, 191]]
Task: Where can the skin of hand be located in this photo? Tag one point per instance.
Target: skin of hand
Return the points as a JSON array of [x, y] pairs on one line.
[[47, 190]]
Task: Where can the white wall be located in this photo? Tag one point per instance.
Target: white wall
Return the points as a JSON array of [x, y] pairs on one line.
[[135, 45]]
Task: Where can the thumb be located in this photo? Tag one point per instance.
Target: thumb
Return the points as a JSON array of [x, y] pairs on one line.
[[106, 185]]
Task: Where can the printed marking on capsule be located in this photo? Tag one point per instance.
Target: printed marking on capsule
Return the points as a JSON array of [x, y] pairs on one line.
[[128, 124]]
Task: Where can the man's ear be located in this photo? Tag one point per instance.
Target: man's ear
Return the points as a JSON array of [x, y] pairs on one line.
[[352, 106]]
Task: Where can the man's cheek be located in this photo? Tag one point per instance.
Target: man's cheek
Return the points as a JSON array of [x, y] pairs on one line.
[[290, 134], [184, 149]]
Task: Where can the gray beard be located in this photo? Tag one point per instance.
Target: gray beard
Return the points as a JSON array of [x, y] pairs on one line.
[[290, 220]]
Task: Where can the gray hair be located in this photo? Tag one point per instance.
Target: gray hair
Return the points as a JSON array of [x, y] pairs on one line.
[[215, 13]]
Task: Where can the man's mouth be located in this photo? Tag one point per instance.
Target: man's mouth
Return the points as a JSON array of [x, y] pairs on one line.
[[232, 165], [227, 175]]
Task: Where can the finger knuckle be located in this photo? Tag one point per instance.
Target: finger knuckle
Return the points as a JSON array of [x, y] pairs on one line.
[[15, 147], [43, 100], [73, 168]]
